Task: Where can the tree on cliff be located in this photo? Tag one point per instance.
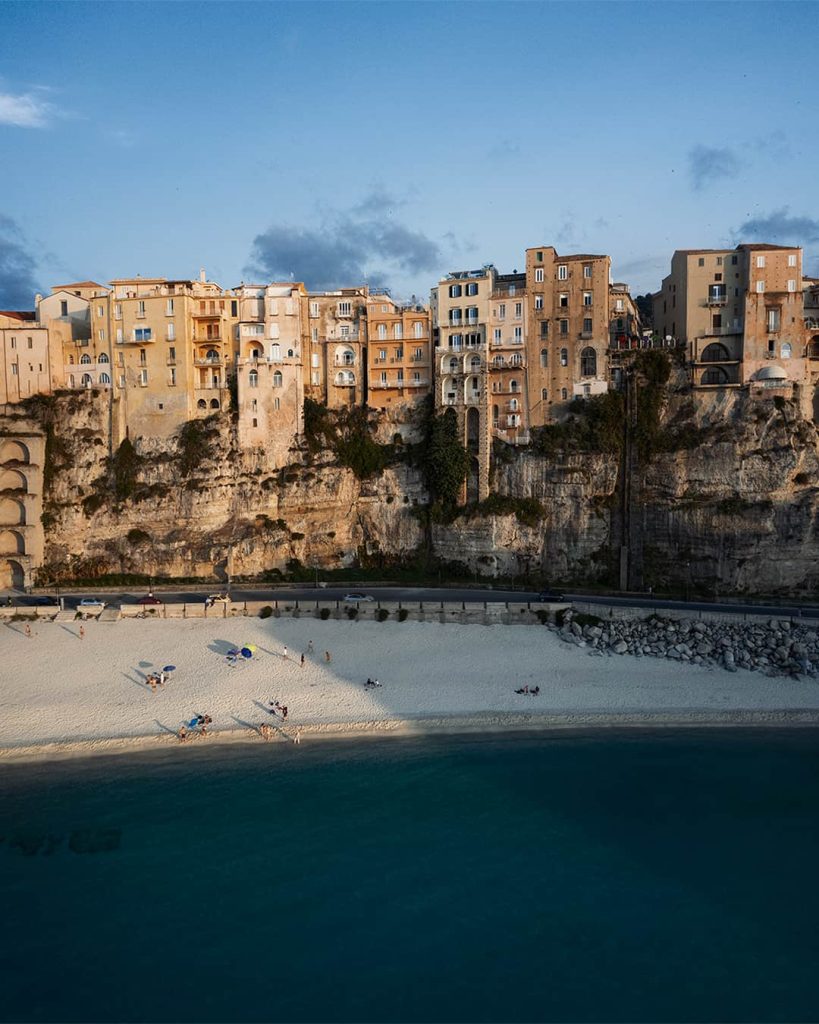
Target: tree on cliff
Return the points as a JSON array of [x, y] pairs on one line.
[[447, 461]]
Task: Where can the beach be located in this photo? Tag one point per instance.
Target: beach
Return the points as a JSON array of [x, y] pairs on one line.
[[64, 694]]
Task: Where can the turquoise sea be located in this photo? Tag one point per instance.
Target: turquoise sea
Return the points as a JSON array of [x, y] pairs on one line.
[[657, 876]]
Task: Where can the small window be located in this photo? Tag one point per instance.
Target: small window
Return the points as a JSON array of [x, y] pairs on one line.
[[538, 302], [587, 270], [454, 291], [701, 261], [518, 310], [563, 272], [564, 327], [544, 357], [792, 260], [587, 325], [544, 394], [564, 300], [587, 298], [544, 329], [564, 394], [564, 357], [733, 261], [63, 307], [277, 404], [791, 286], [255, 422], [760, 287], [539, 272], [719, 261], [472, 288], [760, 262]]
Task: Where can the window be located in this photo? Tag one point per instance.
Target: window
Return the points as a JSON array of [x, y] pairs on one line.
[[564, 357], [142, 334], [275, 352], [716, 293], [760, 262], [117, 310], [539, 272], [314, 360], [85, 358], [587, 325], [277, 379], [785, 351], [103, 358], [257, 329], [170, 331], [273, 330], [544, 358], [564, 300], [255, 422], [544, 329], [277, 404], [121, 380], [772, 346], [169, 307], [719, 261], [419, 354], [564, 327], [454, 316], [564, 394], [382, 332], [792, 260], [416, 377], [538, 302], [472, 288], [512, 290], [618, 305], [544, 394], [539, 257], [587, 270], [384, 377], [791, 286], [141, 308], [104, 378], [273, 307], [399, 352], [143, 361], [101, 311], [717, 322], [733, 261], [314, 309], [587, 298], [701, 261], [119, 336], [454, 291], [345, 308], [314, 334], [63, 307], [31, 344], [400, 376], [717, 277], [772, 318], [518, 335], [314, 377], [14, 369], [518, 310], [234, 307], [588, 362], [398, 332], [760, 286], [563, 272], [143, 378]]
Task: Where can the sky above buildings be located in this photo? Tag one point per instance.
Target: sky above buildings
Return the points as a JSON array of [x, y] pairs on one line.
[[391, 143]]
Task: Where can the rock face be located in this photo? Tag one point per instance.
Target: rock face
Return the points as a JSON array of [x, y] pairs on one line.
[[778, 649], [735, 509]]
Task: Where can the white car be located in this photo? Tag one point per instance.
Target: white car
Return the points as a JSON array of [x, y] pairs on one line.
[[355, 598], [91, 602]]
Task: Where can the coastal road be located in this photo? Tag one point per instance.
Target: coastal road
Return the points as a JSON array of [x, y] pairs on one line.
[[430, 595]]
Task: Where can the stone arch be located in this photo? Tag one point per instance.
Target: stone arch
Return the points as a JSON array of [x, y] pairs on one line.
[[15, 575], [87, 380], [214, 403], [14, 451], [473, 479], [13, 480], [201, 404], [472, 364], [12, 542], [12, 512], [85, 359], [103, 358], [473, 428], [715, 353]]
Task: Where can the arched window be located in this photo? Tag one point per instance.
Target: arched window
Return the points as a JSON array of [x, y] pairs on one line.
[[86, 380], [71, 383], [544, 394], [513, 405], [212, 355], [253, 378], [475, 364], [715, 353], [214, 403], [275, 353], [514, 386], [517, 359], [85, 359], [453, 365], [277, 379], [715, 375], [495, 413], [103, 358], [255, 353], [498, 362], [588, 363], [564, 358], [201, 404], [345, 379], [104, 378], [786, 350]]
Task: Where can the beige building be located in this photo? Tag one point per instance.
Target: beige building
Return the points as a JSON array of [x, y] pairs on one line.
[[269, 370], [567, 324], [398, 352], [336, 346], [28, 363], [740, 313], [508, 359], [22, 457], [86, 357]]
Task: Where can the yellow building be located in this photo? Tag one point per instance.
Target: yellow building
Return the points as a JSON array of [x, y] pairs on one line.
[[28, 366], [398, 352], [335, 370], [508, 358], [86, 356]]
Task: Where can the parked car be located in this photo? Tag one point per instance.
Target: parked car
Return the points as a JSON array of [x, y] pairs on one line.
[[224, 598], [354, 598], [91, 602], [550, 595], [149, 599]]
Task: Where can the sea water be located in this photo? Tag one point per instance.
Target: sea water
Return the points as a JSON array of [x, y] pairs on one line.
[[624, 877]]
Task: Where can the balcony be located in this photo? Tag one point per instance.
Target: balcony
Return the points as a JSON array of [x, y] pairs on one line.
[[473, 398], [586, 335], [811, 323], [205, 339], [216, 314], [344, 362], [718, 332], [209, 361], [715, 300]]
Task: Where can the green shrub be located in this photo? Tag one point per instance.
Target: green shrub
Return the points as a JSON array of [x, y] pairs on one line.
[[266, 612], [542, 616], [381, 614], [402, 614], [125, 468], [324, 613], [352, 613], [194, 442]]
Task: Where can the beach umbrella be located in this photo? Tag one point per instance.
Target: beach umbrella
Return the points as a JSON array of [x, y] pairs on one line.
[[193, 722], [169, 668], [246, 652]]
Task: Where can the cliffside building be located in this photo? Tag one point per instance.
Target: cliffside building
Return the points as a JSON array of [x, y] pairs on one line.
[[29, 363], [336, 345], [398, 356]]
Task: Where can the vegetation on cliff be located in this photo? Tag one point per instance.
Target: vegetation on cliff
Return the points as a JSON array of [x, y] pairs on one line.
[[445, 461], [347, 434]]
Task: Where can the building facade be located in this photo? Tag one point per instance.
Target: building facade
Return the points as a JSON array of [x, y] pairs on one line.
[[398, 352]]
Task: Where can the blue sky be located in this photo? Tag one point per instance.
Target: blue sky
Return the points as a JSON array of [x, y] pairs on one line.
[[394, 142]]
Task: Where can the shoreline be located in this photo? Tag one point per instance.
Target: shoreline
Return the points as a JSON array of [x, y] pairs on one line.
[[484, 724]]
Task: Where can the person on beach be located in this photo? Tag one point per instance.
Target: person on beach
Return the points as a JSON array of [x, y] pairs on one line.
[[297, 735], [535, 691], [302, 661], [162, 678], [82, 632], [182, 734], [283, 710], [28, 632], [309, 646], [327, 657], [152, 683], [265, 732]]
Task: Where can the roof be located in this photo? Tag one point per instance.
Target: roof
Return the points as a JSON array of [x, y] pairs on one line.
[[698, 252], [767, 245], [771, 373], [16, 314], [76, 284]]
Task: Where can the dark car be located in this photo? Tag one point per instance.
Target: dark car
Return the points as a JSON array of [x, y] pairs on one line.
[[550, 595], [149, 599]]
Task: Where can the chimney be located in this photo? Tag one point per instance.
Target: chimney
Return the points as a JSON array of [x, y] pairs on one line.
[[202, 276]]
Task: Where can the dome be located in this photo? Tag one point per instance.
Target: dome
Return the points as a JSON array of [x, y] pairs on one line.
[[771, 373]]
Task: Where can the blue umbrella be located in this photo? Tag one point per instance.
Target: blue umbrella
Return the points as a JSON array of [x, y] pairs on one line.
[[193, 722], [246, 652], [169, 668]]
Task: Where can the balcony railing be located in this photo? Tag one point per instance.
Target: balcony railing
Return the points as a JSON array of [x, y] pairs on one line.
[[208, 314], [715, 300], [209, 361], [344, 362], [203, 339]]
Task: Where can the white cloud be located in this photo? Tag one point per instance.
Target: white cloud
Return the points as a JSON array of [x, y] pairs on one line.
[[25, 110]]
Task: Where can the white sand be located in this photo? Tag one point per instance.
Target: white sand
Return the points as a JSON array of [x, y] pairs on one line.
[[60, 690]]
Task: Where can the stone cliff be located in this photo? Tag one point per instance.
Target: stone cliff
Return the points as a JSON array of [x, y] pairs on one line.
[[726, 503]]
